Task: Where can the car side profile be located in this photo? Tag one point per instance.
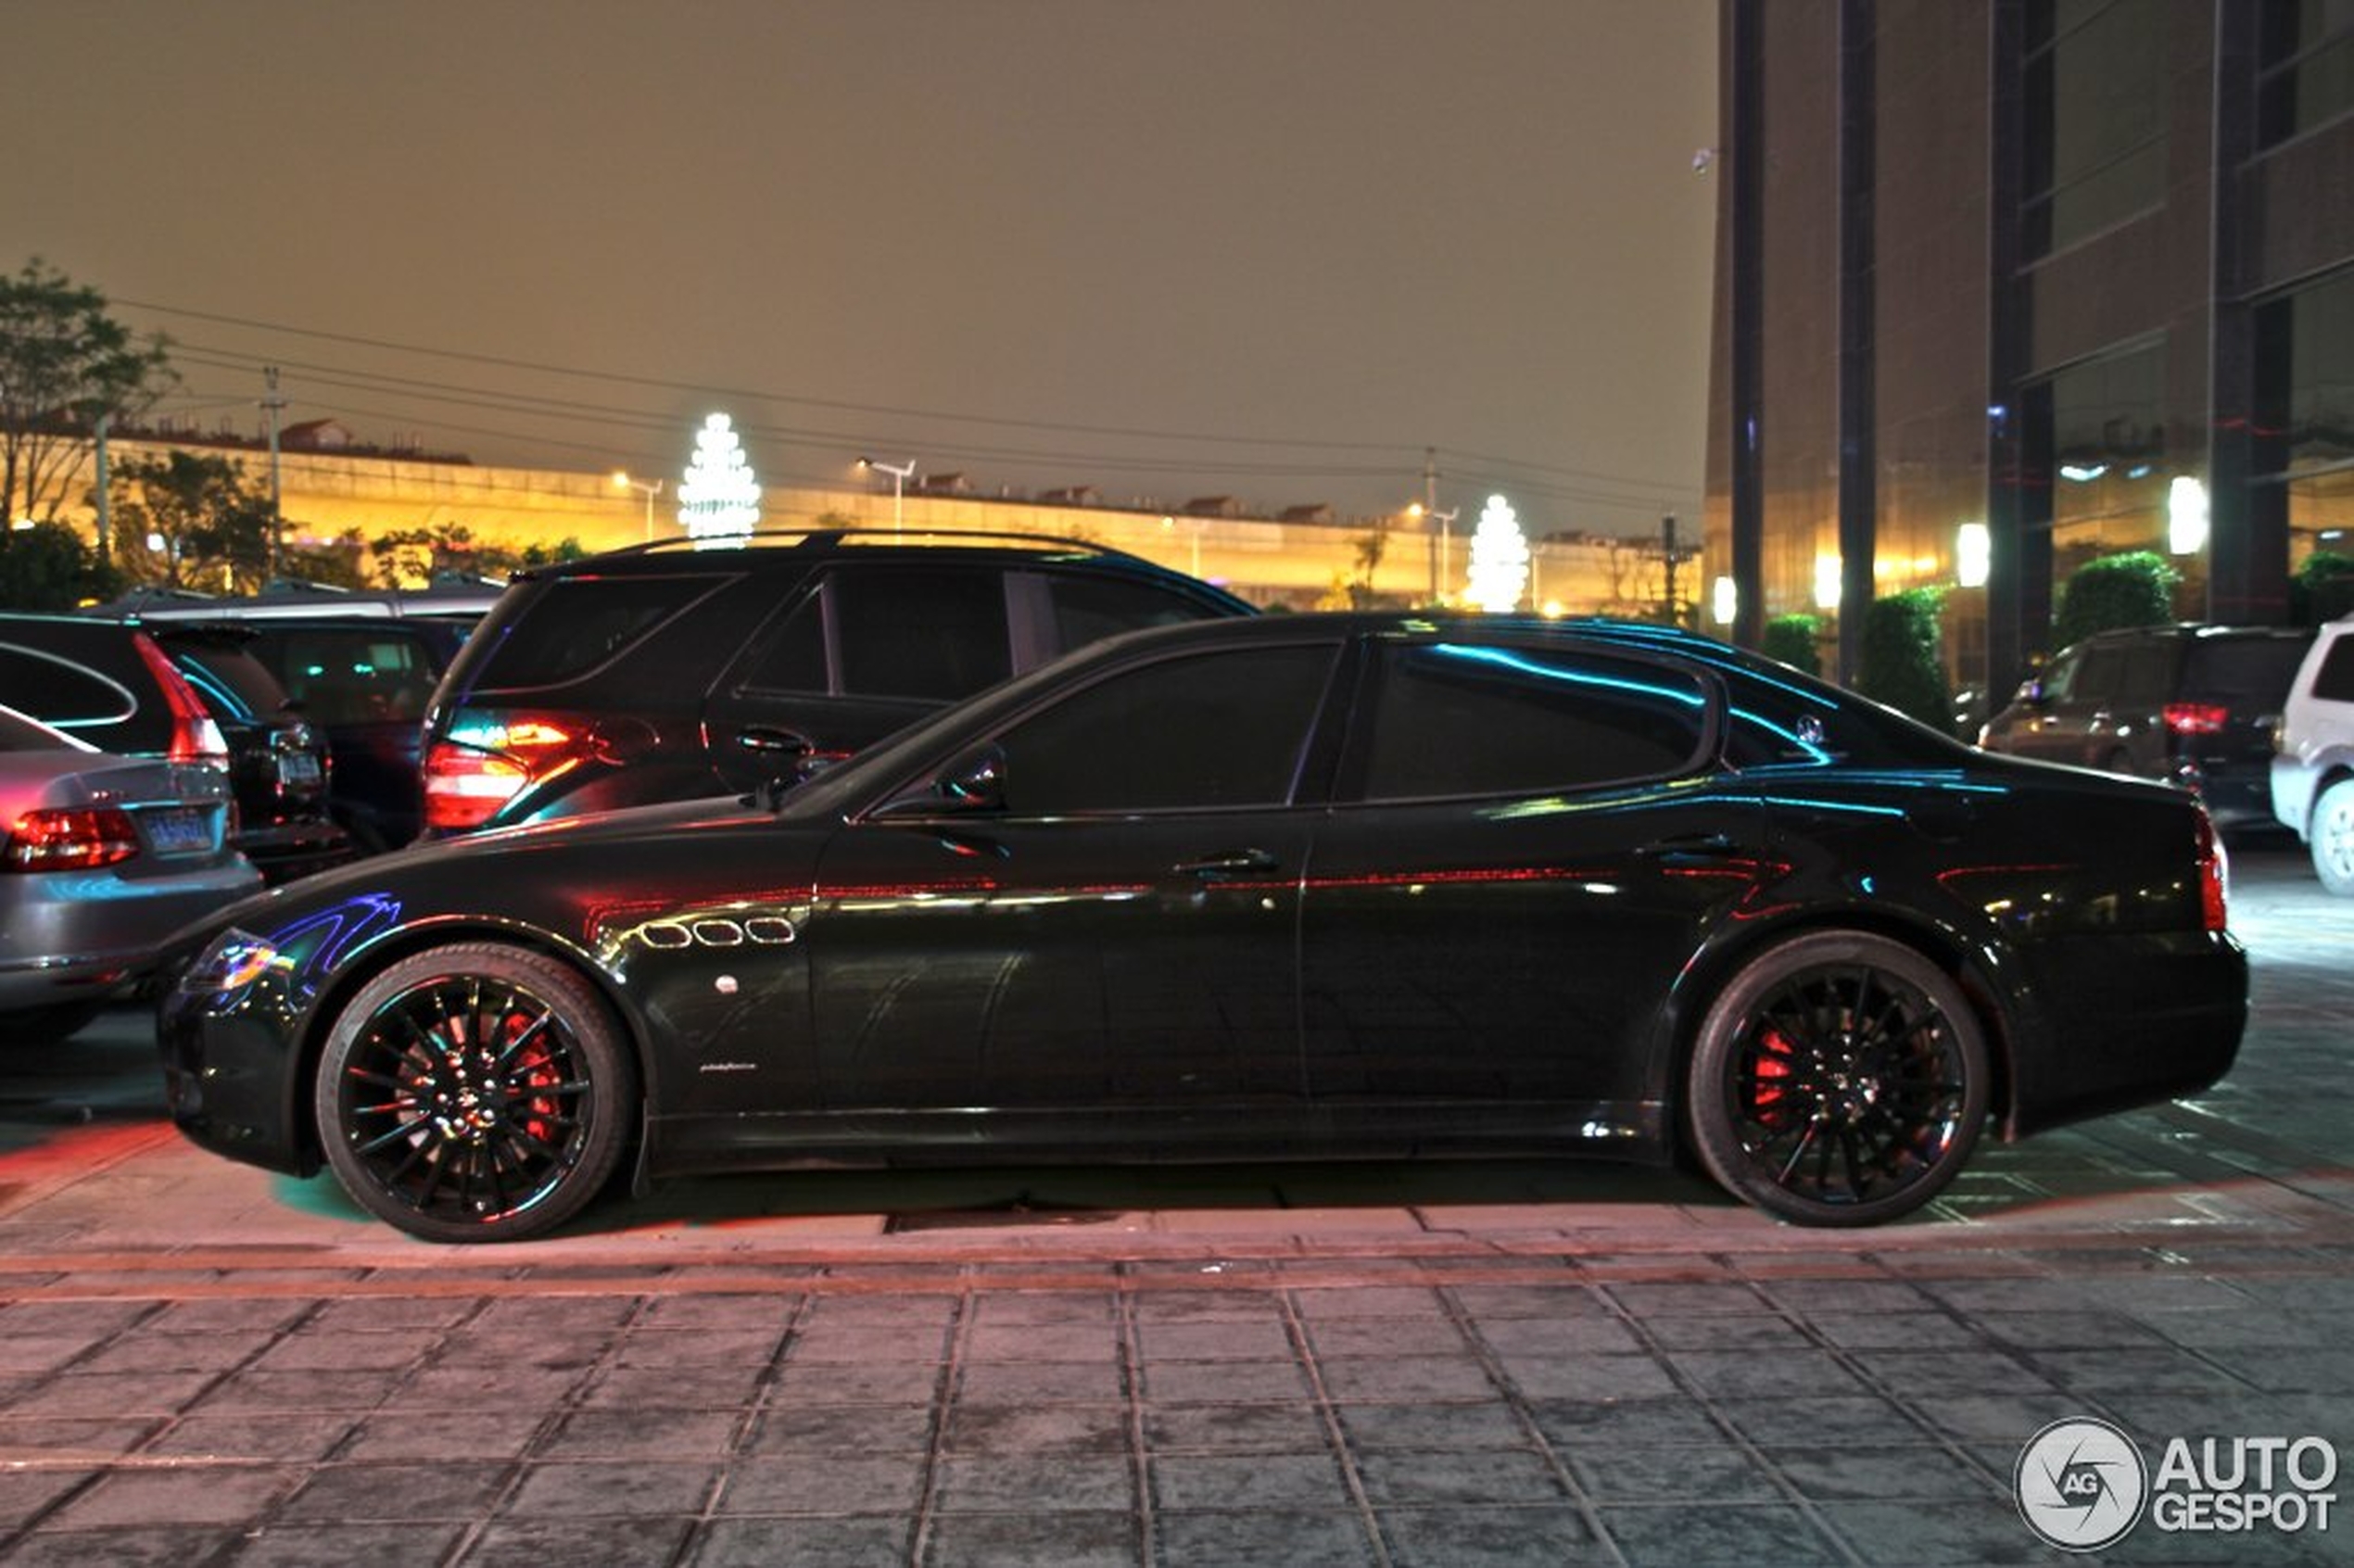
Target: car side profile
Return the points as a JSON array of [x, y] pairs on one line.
[[2312, 775], [688, 668], [2191, 705], [1300, 887]]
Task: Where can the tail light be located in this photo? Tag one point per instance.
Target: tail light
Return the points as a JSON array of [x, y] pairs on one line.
[[470, 776], [2212, 874], [2196, 718], [70, 840], [194, 737]]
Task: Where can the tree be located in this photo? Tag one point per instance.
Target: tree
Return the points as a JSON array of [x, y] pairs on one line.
[[1368, 550], [187, 518], [65, 364], [2113, 591], [48, 567], [718, 498], [1898, 664], [1499, 558]]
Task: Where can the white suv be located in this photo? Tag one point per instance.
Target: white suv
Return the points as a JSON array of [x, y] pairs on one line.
[[2314, 772]]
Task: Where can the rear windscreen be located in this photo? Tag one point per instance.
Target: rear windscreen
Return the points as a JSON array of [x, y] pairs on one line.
[[576, 624], [232, 683], [2253, 673]]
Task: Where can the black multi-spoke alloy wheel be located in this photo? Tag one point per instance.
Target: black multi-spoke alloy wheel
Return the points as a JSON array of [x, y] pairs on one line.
[[474, 1093], [1840, 1079]]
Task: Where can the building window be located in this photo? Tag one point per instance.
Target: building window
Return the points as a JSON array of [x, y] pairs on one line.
[[2098, 436], [2305, 70], [2096, 117], [2304, 445]]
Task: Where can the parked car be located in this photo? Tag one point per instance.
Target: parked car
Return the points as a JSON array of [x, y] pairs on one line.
[[2192, 705], [189, 693], [2312, 775], [364, 680], [104, 857], [1287, 886], [684, 669]]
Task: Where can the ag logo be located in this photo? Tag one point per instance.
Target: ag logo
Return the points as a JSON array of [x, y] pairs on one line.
[[2080, 1484]]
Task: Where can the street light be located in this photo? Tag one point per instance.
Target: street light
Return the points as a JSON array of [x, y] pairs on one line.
[[900, 473], [648, 489]]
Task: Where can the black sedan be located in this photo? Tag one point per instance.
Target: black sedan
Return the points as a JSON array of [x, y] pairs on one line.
[[1300, 887]]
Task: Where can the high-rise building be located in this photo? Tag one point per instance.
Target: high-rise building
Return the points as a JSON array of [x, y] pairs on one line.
[[2003, 285]]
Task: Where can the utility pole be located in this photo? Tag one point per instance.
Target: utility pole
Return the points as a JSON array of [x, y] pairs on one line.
[[106, 554], [1430, 512], [1671, 556], [273, 403]]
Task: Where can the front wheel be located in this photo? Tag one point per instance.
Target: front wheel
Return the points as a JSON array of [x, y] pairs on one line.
[[2331, 838], [1840, 1079], [474, 1093]]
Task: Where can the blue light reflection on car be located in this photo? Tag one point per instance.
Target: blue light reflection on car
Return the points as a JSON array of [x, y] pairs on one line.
[[1687, 696], [315, 943]]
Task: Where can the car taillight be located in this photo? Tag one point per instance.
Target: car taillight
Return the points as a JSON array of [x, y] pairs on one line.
[[467, 780], [2196, 718], [194, 737], [70, 840], [2212, 874]]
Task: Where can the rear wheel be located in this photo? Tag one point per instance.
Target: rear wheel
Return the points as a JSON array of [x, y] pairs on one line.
[[1840, 1079], [474, 1093], [2331, 838]]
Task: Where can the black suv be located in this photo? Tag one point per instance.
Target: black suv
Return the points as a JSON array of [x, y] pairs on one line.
[[192, 694], [682, 669], [2193, 705]]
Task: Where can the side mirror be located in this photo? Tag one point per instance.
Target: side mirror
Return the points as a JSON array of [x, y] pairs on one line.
[[974, 781], [2031, 691]]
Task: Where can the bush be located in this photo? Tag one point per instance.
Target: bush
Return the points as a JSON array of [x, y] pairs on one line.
[[48, 567], [2113, 592], [1898, 664], [2322, 588], [1793, 639]]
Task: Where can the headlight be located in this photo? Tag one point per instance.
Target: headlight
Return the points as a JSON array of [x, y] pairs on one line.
[[231, 962]]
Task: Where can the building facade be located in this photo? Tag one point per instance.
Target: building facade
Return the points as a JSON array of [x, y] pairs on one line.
[[2004, 286]]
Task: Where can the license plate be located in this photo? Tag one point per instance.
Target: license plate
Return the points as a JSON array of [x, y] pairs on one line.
[[298, 770], [179, 831]]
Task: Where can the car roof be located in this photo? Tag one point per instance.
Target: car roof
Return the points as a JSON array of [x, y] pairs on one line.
[[795, 548]]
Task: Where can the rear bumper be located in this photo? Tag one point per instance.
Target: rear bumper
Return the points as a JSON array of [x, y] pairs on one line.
[[2139, 1022], [84, 935]]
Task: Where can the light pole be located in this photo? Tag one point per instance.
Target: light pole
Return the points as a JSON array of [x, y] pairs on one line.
[[648, 489], [900, 473]]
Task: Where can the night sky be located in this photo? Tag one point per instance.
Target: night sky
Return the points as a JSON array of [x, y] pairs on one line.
[[1270, 250]]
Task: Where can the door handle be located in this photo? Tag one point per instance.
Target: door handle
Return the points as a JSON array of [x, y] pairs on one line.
[[760, 737], [1691, 846], [1231, 863]]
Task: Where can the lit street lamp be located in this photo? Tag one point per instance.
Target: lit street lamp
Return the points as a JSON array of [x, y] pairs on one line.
[[900, 473], [648, 489]]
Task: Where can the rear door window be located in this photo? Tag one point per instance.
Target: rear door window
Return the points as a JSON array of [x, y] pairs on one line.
[[232, 683], [1477, 719]]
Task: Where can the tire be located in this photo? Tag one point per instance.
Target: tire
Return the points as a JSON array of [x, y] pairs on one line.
[[2330, 837], [48, 1026], [1840, 1078], [432, 1132]]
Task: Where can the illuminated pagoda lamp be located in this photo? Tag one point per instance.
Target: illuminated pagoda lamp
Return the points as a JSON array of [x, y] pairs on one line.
[[718, 498], [1499, 560]]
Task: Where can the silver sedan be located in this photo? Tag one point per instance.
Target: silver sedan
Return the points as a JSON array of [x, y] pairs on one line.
[[105, 857]]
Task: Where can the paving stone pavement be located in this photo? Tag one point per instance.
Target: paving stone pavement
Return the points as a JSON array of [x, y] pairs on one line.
[[1661, 1380]]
